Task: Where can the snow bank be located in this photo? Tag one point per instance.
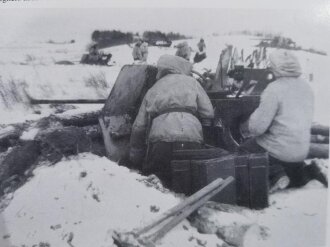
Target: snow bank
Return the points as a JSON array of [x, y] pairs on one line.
[[296, 217], [87, 198]]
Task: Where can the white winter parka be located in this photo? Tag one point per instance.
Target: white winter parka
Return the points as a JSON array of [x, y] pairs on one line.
[[282, 122], [175, 90]]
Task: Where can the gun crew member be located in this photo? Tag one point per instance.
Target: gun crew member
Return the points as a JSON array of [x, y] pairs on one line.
[[282, 122], [169, 117]]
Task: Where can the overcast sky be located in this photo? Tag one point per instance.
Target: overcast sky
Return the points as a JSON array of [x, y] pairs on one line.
[[308, 20]]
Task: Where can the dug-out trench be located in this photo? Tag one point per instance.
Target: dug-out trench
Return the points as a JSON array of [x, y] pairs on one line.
[[25, 145]]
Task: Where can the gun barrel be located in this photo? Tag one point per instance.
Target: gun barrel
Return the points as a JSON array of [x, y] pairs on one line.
[[67, 101]]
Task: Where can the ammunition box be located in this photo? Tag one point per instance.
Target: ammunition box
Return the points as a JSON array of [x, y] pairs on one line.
[[206, 171], [189, 176], [252, 180], [249, 170]]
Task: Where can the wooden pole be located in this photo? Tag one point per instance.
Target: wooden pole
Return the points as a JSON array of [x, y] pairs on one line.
[[188, 202], [198, 201], [66, 101]]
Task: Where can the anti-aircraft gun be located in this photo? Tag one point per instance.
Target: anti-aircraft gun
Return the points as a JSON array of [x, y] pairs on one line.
[[231, 106]]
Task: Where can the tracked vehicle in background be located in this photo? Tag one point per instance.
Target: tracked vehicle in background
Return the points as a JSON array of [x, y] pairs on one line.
[[102, 59]]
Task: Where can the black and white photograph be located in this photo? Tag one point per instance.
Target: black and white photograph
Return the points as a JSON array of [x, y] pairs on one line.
[[164, 123]]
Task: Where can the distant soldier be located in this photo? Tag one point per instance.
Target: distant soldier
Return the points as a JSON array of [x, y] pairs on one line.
[[201, 45], [137, 53], [94, 53], [183, 50], [144, 51], [201, 53]]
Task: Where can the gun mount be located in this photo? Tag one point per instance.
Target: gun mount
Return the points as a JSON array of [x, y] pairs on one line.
[[253, 81], [230, 112]]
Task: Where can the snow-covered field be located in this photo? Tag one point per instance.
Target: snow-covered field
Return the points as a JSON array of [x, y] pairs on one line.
[[88, 197], [80, 201], [33, 68]]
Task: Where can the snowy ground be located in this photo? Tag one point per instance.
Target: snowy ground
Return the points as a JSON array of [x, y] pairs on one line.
[[87, 197]]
